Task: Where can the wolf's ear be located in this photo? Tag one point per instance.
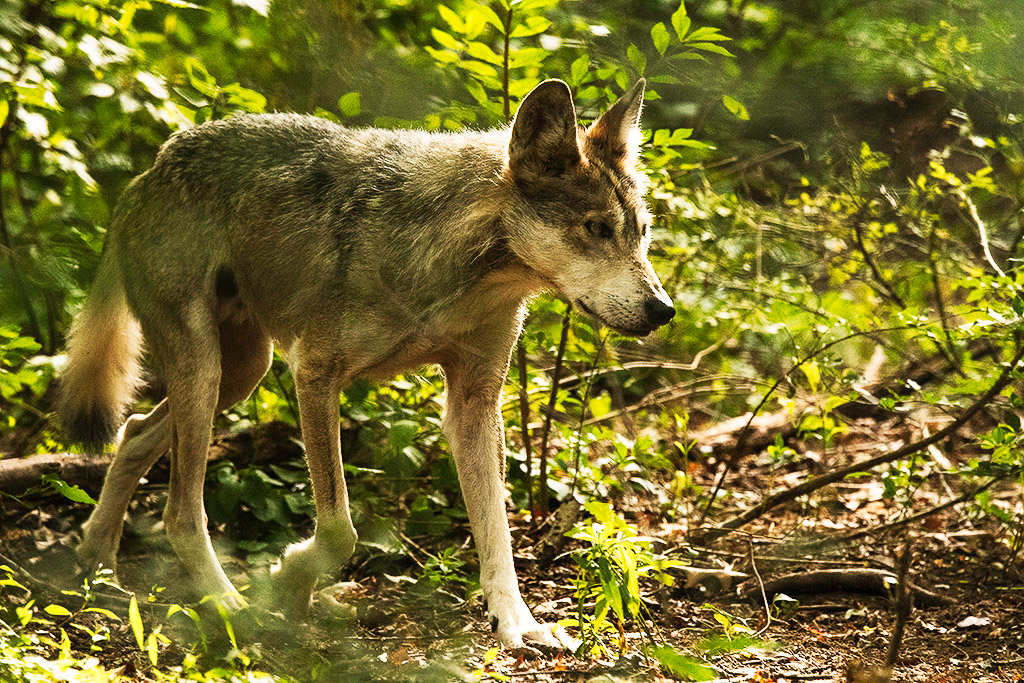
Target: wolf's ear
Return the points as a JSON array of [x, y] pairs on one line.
[[615, 134], [544, 141]]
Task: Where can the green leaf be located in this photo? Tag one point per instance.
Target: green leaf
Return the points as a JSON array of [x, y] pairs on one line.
[[452, 19], [349, 104], [708, 33], [579, 69], [67, 490], [636, 58], [4, 108], [477, 91], [245, 99], [105, 612], [660, 37], [445, 39], [740, 111], [610, 586], [182, 4], [482, 52], [527, 56], [135, 619], [490, 16], [681, 666], [442, 56], [57, 610], [151, 648], [711, 47], [681, 22], [531, 27]]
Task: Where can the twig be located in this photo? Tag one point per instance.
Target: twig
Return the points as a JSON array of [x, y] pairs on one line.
[[552, 401], [982, 230], [807, 487], [416, 546], [287, 395], [524, 420], [920, 515], [858, 235], [577, 446], [949, 350], [904, 603], [760, 584], [741, 440], [506, 98], [524, 396]]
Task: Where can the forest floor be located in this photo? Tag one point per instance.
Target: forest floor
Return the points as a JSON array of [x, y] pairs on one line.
[[395, 630]]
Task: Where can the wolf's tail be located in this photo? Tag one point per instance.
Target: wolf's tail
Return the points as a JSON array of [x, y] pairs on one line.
[[102, 370]]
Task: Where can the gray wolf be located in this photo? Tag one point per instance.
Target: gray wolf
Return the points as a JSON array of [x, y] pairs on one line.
[[360, 254]]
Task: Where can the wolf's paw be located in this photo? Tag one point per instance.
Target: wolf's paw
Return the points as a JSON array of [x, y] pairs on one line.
[[291, 589], [518, 630], [538, 638], [96, 560], [231, 600]]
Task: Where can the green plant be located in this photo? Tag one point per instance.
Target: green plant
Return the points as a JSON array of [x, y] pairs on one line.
[[261, 510], [611, 568]]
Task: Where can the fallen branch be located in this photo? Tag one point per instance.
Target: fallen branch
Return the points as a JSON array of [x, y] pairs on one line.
[[832, 477], [269, 442], [869, 581], [916, 517], [904, 603]]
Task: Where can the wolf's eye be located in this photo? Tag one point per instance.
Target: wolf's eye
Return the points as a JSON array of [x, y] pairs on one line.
[[599, 229]]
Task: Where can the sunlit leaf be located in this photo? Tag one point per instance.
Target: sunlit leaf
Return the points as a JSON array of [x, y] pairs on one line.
[[660, 37], [350, 104], [736, 107], [135, 620]]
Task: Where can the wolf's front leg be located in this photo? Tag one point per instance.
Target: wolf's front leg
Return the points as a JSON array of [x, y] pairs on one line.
[[335, 537], [474, 429]]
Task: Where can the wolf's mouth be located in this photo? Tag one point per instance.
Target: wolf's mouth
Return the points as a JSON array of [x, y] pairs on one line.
[[627, 331]]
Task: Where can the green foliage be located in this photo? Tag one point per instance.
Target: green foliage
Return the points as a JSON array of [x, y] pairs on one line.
[[611, 566], [262, 510], [797, 235], [443, 575], [69, 491]]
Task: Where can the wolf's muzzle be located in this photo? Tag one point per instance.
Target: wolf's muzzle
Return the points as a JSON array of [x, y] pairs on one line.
[[658, 312]]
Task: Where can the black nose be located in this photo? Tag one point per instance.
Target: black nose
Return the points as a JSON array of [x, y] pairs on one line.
[[658, 312]]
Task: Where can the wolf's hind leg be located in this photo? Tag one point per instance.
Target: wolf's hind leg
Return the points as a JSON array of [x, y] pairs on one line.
[[335, 538], [191, 365], [144, 439], [245, 357]]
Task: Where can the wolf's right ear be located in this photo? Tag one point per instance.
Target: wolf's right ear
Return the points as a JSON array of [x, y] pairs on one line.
[[544, 139]]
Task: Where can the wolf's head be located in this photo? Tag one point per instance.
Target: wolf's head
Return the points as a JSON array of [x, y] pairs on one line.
[[583, 223]]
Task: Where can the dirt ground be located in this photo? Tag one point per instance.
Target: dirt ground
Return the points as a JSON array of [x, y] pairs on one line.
[[388, 629]]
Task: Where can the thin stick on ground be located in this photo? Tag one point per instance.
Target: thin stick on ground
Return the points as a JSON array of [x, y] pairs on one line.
[[918, 516], [760, 584], [545, 431], [904, 603], [776, 499], [524, 420]]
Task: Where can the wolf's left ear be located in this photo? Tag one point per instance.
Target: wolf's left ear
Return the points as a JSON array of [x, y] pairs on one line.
[[615, 134], [544, 141]]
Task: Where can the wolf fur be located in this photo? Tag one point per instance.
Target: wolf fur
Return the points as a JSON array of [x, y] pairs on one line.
[[359, 253]]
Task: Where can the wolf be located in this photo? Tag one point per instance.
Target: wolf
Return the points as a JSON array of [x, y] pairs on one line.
[[359, 253]]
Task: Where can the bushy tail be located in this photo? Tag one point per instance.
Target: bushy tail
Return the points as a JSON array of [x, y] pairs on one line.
[[102, 370]]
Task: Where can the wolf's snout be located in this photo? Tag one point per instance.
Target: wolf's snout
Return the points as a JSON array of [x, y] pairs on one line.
[[658, 312]]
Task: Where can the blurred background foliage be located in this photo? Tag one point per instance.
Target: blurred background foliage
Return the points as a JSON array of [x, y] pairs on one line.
[[832, 180], [820, 169]]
